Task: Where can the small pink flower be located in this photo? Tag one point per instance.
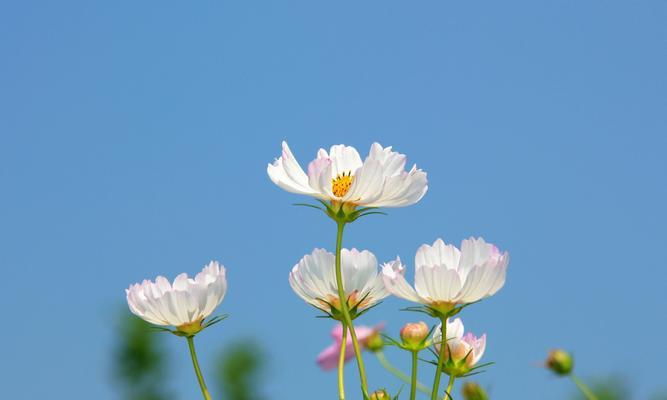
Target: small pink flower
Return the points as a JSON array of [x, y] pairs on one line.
[[328, 358]]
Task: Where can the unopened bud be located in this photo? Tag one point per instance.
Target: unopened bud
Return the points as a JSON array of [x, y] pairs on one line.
[[374, 342], [560, 362], [380, 395], [414, 335], [472, 391]]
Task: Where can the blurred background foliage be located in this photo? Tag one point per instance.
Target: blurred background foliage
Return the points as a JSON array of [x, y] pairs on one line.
[[609, 388], [140, 365]]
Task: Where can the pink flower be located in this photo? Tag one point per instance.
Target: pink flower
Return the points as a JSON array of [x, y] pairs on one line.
[[328, 358]]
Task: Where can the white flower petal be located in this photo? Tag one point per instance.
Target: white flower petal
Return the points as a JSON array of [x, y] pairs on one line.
[[286, 172], [314, 279], [437, 283], [395, 283], [183, 302], [344, 159]]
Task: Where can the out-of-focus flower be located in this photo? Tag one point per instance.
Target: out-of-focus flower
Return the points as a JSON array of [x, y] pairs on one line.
[[462, 352], [560, 362], [473, 391], [414, 335], [183, 304], [341, 177], [380, 395], [314, 280], [446, 277], [366, 335]]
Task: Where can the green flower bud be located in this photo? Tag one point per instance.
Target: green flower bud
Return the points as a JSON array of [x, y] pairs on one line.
[[560, 362], [473, 391], [375, 343]]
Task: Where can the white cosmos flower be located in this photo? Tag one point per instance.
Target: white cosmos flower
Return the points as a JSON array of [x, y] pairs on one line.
[[183, 304], [445, 276], [340, 176], [462, 352], [314, 280]]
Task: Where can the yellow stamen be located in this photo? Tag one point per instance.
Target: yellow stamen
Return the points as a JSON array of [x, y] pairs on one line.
[[341, 184]]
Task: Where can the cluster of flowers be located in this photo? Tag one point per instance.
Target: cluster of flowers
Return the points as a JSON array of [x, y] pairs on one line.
[[348, 282]]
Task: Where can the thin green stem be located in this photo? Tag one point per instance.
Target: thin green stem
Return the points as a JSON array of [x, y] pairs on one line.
[[413, 381], [398, 373], [441, 359], [588, 393], [450, 386], [195, 364], [347, 320], [341, 366]]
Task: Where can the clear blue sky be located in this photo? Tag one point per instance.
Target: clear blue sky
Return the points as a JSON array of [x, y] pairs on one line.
[[134, 138]]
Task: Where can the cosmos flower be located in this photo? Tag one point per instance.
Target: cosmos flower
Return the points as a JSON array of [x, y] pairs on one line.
[[340, 176], [314, 280], [328, 358], [183, 304], [462, 351], [446, 277]]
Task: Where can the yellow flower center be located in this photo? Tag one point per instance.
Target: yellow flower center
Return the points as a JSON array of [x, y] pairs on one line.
[[341, 184]]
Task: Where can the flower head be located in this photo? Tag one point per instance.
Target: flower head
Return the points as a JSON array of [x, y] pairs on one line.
[[462, 352], [340, 176], [446, 276], [314, 280], [328, 358], [183, 304]]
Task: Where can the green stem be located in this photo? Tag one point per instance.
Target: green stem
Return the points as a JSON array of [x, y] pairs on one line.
[[195, 363], [450, 386], [413, 381], [398, 373], [441, 359], [346, 313], [341, 366], [588, 393]]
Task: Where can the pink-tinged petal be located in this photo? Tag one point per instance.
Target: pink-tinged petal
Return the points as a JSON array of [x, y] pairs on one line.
[[286, 172], [479, 347], [328, 358], [315, 170], [395, 283], [337, 333]]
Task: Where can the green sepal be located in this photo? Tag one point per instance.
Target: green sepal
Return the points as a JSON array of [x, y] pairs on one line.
[[215, 320], [399, 392]]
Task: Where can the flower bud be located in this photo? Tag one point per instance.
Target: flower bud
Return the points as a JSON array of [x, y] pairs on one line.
[[414, 335], [380, 395], [374, 342], [473, 391], [560, 362]]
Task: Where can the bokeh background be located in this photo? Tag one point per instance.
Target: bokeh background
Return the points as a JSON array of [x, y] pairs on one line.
[[134, 138]]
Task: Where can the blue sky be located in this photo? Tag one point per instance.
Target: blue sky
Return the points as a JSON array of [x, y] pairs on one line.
[[134, 138]]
